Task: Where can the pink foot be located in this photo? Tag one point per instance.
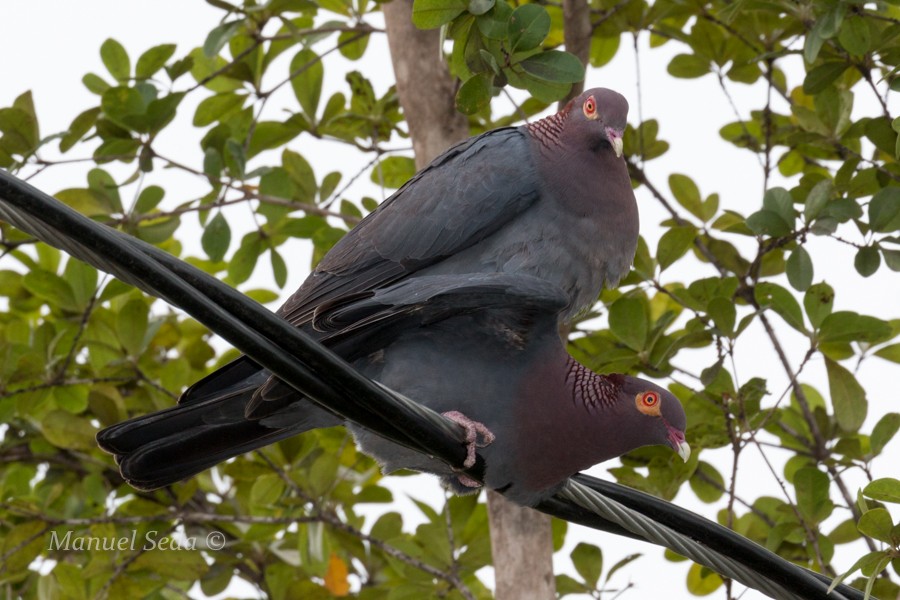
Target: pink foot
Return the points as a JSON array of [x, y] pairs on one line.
[[473, 429], [468, 481]]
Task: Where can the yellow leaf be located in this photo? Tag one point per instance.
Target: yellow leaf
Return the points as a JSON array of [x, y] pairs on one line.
[[336, 576]]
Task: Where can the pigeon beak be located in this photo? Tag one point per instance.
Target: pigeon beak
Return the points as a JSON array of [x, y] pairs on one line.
[[615, 139], [679, 444]]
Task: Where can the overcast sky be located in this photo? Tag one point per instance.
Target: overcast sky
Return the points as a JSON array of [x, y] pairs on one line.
[[48, 45]]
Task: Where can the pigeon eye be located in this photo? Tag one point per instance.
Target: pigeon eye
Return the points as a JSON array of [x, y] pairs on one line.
[[648, 403], [590, 108]]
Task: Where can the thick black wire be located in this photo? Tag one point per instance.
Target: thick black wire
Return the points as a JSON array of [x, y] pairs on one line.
[[254, 330], [327, 379]]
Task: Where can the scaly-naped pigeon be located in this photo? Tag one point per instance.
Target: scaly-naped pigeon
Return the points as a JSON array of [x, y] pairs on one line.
[[551, 199], [484, 345]]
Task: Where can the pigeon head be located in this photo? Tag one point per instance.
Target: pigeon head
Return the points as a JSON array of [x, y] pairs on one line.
[[653, 416], [600, 116], [596, 119]]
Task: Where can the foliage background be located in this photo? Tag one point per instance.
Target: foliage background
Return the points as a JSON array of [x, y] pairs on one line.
[[72, 359]]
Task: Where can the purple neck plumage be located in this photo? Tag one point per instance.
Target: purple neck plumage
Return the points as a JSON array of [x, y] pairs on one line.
[[549, 129], [589, 389]]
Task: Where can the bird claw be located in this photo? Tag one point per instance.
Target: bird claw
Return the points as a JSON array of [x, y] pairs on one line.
[[473, 430]]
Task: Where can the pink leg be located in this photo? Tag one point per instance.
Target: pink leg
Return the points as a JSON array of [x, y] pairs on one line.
[[473, 429]]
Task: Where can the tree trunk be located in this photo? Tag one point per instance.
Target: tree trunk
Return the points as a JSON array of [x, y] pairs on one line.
[[522, 546], [577, 34], [520, 537], [424, 84]]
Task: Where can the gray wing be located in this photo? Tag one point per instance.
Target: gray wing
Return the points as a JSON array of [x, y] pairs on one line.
[[506, 307], [423, 301], [464, 196]]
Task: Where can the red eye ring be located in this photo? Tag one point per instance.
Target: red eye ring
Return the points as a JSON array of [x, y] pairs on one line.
[[590, 106], [650, 399]]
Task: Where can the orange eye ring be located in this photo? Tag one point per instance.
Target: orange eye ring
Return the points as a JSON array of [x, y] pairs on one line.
[[648, 403], [590, 108]]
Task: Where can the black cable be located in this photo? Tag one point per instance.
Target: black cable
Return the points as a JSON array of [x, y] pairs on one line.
[[235, 317], [326, 379]]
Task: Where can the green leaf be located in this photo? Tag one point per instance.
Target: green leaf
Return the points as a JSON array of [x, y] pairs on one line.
[[235, 158], [216, 237], [707, 483], [603, 49], [855, 36], [770, 295], [529, 24], [847, 326], [307, 76], [813, 499], [393, 171], [847, 397], [272, 134], [866, 562], [475, 93], [891, 258], [722, 312], [82, 278], [131, 326], [149, 198], [702, 581], [95, 84], [480, 7], [68, 431], [279, 268], [71, 398], [428, 14], [353, 44], [494, 25], [628, 559], [244, 260], [218, 37], [301, 173], [880, 133], [817, 301], [767, 222], [566, 585], [817, 198], [673, 244], [116, 60], [153, 60], [217, 107], [821, 77], [50, 287], [813, 42], [19, 132], [867, 260], [779, 201], [79, 127], [628, 322], [886, 489], [686, 193], [267, 490], [588, 561], [884, 210], [21, 544], [688, 66], [876, 524], [554, 66], [891, 353], [799, 269]]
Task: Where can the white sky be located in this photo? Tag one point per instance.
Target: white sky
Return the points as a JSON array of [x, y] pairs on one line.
[[48, 45]]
